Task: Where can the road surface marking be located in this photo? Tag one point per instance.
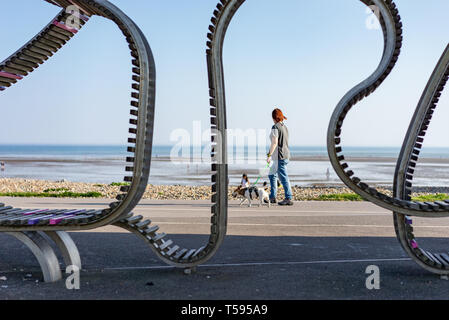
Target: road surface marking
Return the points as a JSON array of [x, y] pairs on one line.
[[249, 264], [266, 210], [292, 225]]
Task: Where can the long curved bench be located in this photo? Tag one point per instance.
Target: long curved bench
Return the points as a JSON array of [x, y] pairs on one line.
[[34, 227]]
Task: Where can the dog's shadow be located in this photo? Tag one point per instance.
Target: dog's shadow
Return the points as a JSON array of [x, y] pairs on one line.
[[236, 205]]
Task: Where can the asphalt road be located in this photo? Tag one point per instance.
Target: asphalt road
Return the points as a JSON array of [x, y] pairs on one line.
[[313, 250]]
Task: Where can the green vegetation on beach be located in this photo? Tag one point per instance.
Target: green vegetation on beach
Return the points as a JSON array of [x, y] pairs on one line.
[[432, 197], [56, 190], [10, 187], [52, 193], [338, 197], [65, 194], [119, 184], [356, 197]]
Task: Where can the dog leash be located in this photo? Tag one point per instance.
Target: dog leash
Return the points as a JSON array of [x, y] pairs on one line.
[[260, 176]]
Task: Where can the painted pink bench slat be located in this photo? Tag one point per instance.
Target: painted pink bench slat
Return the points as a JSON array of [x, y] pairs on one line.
[[10, 75], [63, 26]]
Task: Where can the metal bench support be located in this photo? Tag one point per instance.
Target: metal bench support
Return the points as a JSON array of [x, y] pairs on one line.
[[40, 245], [67, 247], [43, 252]]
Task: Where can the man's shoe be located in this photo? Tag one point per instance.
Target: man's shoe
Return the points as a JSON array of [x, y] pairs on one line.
[[286, 202], [272, 201]]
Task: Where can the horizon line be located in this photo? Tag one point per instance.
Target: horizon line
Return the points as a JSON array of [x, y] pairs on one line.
[[192, 146]]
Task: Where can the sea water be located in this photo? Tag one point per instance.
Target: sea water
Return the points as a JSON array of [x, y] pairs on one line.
[[106, 164]]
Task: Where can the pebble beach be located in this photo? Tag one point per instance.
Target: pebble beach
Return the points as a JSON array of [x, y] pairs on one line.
[[172, 192]]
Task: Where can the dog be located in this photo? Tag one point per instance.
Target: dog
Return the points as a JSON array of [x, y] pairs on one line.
[[252, 193]]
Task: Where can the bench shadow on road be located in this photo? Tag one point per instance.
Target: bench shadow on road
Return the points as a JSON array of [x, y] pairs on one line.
[[121, 266]]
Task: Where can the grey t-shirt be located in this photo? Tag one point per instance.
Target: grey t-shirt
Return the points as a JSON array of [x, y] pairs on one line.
[[280, 131]]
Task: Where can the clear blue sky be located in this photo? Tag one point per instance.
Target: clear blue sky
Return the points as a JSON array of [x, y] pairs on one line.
[[301, 55]]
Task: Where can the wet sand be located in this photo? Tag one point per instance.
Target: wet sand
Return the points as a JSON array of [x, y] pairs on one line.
[[303, 171]]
